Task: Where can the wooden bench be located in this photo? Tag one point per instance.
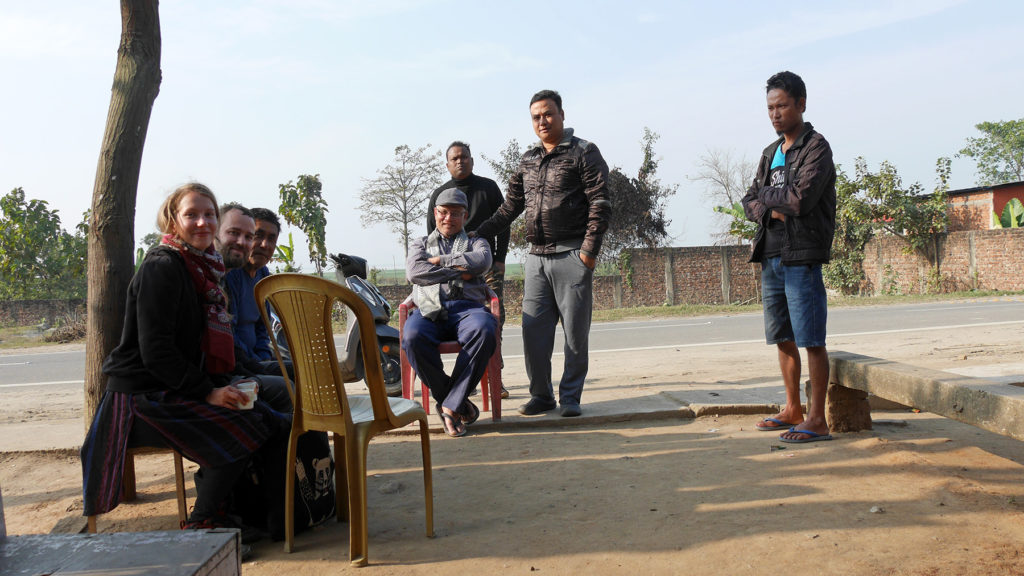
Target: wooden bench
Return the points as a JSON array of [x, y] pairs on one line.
[[983, 403], [128, 487]]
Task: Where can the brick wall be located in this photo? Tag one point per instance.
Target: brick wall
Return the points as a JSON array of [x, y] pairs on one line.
[[970, 211], [690, 275], [29, 312], [981, 259], [975, 259]]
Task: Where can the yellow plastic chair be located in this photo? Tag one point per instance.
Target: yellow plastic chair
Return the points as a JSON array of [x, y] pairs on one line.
[[304, 305]]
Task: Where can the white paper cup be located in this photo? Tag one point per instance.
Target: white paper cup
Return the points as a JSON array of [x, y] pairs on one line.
[[249, 387]]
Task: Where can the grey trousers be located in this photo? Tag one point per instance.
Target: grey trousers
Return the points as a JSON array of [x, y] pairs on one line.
[[557, 287]]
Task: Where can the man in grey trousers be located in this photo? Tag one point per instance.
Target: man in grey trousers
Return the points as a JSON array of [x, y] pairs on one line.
[[561, 184]]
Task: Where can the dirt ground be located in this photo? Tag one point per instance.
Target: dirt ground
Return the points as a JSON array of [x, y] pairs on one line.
[[918, 495], [704, 496]]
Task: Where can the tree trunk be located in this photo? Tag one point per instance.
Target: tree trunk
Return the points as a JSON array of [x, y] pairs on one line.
[[112, 227]]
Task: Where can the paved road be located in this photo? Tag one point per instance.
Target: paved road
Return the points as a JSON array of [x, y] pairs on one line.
[[57, 370], [749, 328]]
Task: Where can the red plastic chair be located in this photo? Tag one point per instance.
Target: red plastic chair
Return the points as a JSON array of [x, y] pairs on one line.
[[490, 383]]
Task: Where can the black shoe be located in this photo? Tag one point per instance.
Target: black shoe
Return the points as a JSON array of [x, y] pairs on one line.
[[504, 392], [570, 410], [536, 406], [245, 552], [248, 534]]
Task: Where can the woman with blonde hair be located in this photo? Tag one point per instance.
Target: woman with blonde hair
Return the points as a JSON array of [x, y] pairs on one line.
[[169, 379]]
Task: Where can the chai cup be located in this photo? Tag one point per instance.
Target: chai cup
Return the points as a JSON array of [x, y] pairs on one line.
[[250, 388]]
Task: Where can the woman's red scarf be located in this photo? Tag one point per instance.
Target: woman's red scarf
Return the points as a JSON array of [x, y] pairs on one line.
[[206, 269]]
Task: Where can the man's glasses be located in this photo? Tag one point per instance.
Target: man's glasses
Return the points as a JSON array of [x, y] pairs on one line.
[[443, 213]]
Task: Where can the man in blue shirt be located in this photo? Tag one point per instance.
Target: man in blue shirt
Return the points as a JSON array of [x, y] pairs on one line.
[[250, 333], [244, 239]]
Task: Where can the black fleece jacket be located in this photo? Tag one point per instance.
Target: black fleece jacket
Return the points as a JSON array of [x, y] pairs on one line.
[[163, 325]]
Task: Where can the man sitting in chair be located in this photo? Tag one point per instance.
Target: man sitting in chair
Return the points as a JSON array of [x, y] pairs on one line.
[[447, 270]]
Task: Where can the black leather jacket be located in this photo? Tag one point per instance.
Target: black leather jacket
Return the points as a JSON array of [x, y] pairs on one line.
[[808, 200], [564, 194]]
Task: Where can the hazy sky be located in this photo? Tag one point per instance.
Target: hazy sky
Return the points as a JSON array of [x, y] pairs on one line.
[[256, 92]]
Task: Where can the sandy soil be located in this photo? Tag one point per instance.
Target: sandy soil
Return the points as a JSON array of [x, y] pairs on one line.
[[704, 496]]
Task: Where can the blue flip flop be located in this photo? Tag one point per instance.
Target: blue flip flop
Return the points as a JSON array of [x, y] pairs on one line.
[[776, 424], [812, 437]]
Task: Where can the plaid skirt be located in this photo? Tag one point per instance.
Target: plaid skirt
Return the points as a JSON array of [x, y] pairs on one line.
[[209, 435]]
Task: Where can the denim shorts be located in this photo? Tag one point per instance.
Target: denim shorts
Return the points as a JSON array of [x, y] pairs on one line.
[[794, 303]]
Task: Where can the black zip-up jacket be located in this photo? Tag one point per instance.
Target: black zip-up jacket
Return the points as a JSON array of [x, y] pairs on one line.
[[564, 194], [808, 200]]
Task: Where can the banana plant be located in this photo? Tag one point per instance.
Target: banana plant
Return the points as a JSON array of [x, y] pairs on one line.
[[1013, 215], [286, 255]]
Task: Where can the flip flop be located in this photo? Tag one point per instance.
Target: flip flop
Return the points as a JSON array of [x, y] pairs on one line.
[[452, 427], [812, 437], [775, 424], [474, 413]]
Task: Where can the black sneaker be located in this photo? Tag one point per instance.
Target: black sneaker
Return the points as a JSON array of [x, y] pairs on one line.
[[570, 410], [536, 406]]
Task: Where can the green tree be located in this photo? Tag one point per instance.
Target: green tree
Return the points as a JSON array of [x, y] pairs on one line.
[[504, 166], [874, 202], [638, 205], [285, 253], [854, 228], [399, 193], [150, 240], [38, 259], [999, 153], [740, 228], [302, 205]]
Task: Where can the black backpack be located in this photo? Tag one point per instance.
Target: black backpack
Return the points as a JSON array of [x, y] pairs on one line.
[[315, 497]]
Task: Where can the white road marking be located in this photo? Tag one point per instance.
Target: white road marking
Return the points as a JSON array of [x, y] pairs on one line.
[[24, 384], [761, 340]]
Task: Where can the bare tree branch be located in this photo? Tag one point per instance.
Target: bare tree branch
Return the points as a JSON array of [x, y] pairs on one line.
[[399, 193]]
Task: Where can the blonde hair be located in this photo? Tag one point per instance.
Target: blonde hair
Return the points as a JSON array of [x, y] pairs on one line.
[[169, 209]]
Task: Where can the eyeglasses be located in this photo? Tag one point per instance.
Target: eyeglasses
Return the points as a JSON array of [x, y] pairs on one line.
[[443, 213]]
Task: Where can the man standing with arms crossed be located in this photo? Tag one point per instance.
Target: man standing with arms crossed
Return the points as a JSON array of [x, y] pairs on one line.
[[561, 184], [484, 200], [793, 201]]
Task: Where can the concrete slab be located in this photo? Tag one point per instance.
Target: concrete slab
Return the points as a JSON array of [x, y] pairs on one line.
[[178, 553], [984, 403]]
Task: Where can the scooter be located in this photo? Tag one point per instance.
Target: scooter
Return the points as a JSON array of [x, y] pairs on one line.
[[351, 272]]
